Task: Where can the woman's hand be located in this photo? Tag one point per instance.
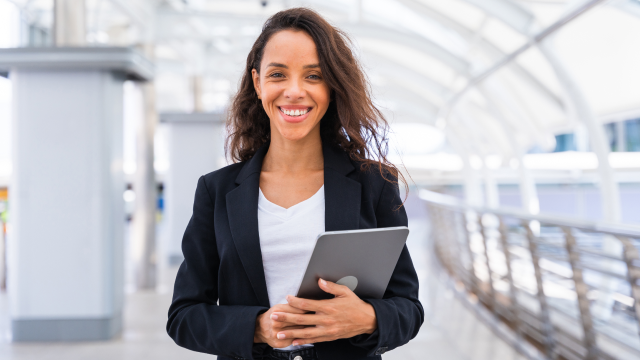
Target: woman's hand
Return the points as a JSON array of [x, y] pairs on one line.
[[342, 317], [267, 328]]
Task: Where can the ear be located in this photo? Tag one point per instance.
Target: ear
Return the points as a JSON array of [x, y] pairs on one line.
[[256, 82]]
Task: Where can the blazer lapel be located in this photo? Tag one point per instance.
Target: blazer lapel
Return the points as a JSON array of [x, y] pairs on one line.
[[342, 209], [341, 194], [242, 207]]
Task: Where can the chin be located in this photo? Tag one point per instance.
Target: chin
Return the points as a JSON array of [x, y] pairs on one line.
[[294, 135]]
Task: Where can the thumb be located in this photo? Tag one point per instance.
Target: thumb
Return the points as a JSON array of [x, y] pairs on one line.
[[333, 288]]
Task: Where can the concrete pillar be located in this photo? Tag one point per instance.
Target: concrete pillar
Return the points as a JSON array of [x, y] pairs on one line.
[[197, 84], [65, 260], [491, 191], [581, 110], [195, 145], [528, 190], [143, 239], [69, 23]]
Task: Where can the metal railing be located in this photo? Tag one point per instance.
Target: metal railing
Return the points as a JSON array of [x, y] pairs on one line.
[[571, 288]]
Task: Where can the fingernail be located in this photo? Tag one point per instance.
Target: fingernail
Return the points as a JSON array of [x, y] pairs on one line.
[[295, 343], [288, 297], [274, 317], [281, 336], [323, 282]]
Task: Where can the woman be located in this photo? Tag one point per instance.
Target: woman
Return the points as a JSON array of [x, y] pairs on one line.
[[309, 158]]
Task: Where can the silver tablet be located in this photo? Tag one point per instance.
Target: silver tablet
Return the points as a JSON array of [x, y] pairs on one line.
[[363, 260]]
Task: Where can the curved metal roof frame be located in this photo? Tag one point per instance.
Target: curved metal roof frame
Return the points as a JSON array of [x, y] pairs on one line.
[[428, 47], [411, 41], [359, 25]]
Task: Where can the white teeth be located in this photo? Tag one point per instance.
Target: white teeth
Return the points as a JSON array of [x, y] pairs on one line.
[[295, 112]]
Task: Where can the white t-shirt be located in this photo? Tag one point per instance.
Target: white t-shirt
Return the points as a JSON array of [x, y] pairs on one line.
[[287, 239]]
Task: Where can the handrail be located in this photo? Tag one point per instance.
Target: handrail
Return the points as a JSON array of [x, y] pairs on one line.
[[558, 220], [527, 277]]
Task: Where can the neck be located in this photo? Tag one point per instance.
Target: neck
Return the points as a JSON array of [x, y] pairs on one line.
[[294, 155]]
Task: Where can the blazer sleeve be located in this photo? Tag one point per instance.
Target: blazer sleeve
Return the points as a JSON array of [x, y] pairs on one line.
[[399, 312], [196, 321]]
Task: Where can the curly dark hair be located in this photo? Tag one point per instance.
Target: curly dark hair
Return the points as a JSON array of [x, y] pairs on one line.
[[352, 122]]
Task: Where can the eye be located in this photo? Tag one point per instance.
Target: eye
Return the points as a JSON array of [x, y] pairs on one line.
[[315, 77], [276, 75]]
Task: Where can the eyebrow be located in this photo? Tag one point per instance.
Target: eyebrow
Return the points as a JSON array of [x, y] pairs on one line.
[[286, 67]]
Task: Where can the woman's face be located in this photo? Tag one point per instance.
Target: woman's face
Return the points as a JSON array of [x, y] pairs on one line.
[[290, 85]]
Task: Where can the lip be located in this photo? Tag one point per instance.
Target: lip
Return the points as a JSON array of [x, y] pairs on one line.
[[294, 119]]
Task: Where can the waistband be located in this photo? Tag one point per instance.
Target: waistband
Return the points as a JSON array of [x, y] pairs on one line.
[[308, 353]]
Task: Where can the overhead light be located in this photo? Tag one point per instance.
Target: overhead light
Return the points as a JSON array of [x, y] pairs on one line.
[[476, 162], [493, 161]]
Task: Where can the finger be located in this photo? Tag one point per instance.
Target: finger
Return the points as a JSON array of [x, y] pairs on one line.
[[304, 304], [288, 327], [333, 288], [298, 319], [287, 309], [306, 333]]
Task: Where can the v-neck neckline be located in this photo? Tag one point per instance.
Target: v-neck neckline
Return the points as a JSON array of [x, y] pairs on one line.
[[276, 209]]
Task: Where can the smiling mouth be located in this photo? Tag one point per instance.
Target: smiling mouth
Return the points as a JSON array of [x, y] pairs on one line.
[[294, 113]]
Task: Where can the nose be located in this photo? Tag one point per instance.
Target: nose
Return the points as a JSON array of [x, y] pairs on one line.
[[295, 90]]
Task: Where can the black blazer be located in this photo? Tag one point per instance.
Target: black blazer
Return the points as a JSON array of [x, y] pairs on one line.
[[220, 288]]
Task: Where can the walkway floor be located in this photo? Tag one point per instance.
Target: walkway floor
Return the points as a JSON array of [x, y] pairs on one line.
[[451, 332]]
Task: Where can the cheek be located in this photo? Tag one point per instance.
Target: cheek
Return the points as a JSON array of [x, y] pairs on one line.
[[270, 94], [322, 98]]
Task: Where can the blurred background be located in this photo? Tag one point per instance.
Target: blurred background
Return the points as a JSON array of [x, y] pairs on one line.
[[517, 123]]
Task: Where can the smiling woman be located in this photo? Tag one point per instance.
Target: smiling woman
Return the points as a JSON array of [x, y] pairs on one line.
[[310, 148]]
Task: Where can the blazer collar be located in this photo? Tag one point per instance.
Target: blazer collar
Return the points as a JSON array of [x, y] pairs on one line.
[[342, 209], [334, 159]]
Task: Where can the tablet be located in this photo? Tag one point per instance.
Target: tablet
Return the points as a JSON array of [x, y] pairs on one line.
[[363, 260]]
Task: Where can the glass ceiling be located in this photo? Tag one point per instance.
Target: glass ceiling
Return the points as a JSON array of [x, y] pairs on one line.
[[419, 54]]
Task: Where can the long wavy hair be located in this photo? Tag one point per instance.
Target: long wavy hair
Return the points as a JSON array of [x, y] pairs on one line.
[[352, 122]]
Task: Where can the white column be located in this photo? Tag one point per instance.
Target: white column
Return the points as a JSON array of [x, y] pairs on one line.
[[492, 193], [609, 190], [143, 235], [528, 190], [69, 22], [581, 110], [471, 181], [195, 144], [66, 251]]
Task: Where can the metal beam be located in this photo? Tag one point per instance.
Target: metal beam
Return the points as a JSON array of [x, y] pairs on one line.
[[359, 31], [412, 41], [511, 57], [428, 12], [508, 12]]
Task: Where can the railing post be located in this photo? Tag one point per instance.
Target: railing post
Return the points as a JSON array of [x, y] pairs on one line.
[[473, 279], [513, 295], [453, 225], [437, 232], [631, 257], [450, 240], [589, 335], [492, 290], [547, 330]]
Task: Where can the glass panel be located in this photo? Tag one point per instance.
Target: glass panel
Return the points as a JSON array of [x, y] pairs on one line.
[[502, 36], [460, 11], [601, 49], [410, 58], [535, 63]]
